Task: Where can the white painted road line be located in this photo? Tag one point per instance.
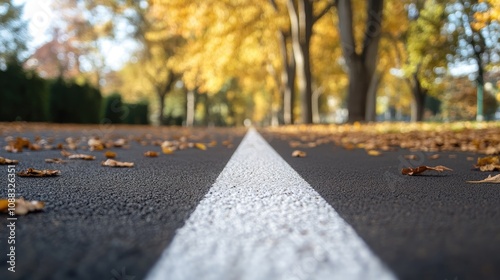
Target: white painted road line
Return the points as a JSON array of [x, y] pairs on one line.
[[261, 220]]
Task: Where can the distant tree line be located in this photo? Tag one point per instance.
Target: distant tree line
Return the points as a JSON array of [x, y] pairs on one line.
[[24, 96]]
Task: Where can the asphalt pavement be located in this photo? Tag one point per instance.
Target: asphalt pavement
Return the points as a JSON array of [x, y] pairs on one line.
[[102, 222], [434, 226], [114, 223]]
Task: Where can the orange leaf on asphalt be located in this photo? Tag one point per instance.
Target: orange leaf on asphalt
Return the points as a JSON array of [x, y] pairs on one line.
[[31, 172], [434, 156], [5, 161], [167, 150], [115, 163], [65, 153], [110, 154], [414, 171], [298, 153], [151, 154]]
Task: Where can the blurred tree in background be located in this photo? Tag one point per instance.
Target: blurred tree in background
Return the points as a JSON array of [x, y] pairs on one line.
[[220, 62]]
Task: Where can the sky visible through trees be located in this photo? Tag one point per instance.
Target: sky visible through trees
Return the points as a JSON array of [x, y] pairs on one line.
[[220, 62]]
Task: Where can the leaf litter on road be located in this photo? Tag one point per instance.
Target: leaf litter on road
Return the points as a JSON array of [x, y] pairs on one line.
[[115, 163], [31, 172], [6, 161], [21, 206], [490, 179]]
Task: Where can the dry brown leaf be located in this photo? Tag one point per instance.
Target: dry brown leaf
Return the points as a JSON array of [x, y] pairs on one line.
[[81, 156], [493, 180], [5, 161], [200, 146], [31, 172], [110, 154], [414, 171], [212, 143], [470, 158], [489, 167], [95, 144], [120, 143], [410, 157], [22, 207], [374, 153], [487, 160], [298, 153], [54, 160], [65, 153], [114, 163], [227, 143], [151, 154], [434, 156], [452, 156]]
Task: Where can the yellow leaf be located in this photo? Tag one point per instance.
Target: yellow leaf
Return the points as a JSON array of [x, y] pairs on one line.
[[167, 150], [374, 153], [200, 146]]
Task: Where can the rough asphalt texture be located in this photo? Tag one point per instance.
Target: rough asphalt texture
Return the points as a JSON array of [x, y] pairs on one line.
[[433, 226], [104, 223], [101, 222]]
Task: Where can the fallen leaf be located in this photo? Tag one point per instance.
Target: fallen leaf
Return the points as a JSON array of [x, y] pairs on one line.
[[31, 172], [489, 167], [22, 207], [119, 142], [54, 160], [493, 180], [200, 146], [434, 156], [470, 158], [110, 154], [81, 156], [212, 143], [452, 156], [410, 157], [95, 144], [65, 153], [298, 153], [414, 171], [151, 154], [487, 160], [374, 153], [114, 163], [167, 150], [5, 161]]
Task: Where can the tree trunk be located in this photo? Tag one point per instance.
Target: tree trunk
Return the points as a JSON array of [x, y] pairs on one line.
[[315, 105], [361, 65], [301, 20], [287, 78], [359, 83], [190, 104], [418, 103], [371, 101], [161, 107], [162, 92]]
